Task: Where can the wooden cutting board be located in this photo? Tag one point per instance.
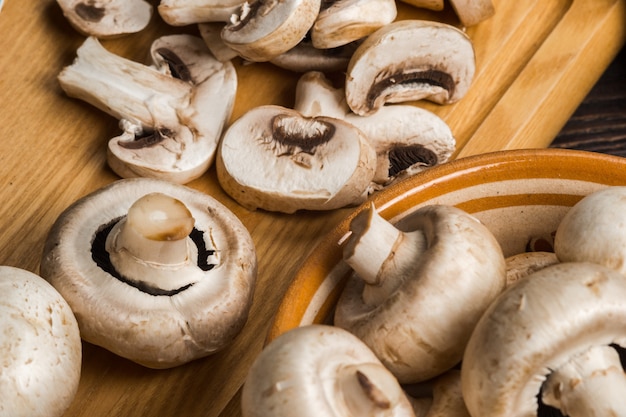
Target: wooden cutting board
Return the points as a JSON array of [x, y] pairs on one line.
[[536, 61]]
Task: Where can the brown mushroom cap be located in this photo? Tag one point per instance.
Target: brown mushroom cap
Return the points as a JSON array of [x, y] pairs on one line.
[[153, 325], [40, 346]]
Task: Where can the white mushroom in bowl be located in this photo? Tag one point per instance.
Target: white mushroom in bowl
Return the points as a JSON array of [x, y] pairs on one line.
[[40, 345], [550, 335], [410, 60], [417, 293], [321, 371], [172, 111], [155, 272], [108, 18]]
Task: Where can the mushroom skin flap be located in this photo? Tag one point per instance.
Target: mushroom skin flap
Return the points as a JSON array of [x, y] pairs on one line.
[[417, 293], [541, 326], [195, 293], [321, 371], [275, 159], [40, 346]]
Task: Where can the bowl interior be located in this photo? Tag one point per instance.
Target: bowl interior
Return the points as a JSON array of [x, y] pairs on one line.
[[518, 195]]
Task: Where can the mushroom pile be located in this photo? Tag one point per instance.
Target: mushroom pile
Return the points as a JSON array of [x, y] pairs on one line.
[[40, 345], [433, 299], [155, 272]]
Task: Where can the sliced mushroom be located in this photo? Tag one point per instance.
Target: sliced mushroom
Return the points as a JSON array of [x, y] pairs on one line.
[[472, 12], [187, 12], [594, 230], [543, 327], [416, 294], [264, 29], [321, 371], [275, 159], [107, 18], [305, 57], [346, 21], [407, 138], [155, 272], [172, 113], [410, 60], [40, 345], [211, 34]]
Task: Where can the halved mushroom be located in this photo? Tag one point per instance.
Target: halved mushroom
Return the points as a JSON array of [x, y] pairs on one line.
[[172, 113], [107, 18], [40, 345], [407, 138], [557, 325], [275, 159], [155, 272], [305, 57], [594, 230], [321, 371], [187, 12], [264, 29], [211, 34], [416, 294], [346, 21], [472, 12], [410, 60]]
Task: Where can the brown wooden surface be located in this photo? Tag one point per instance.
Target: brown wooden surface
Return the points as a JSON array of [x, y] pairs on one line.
[[536, 60]]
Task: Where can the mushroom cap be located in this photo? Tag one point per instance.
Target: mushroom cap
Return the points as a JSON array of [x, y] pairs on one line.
[[535, 326], [472, 12], [410, 60], [185, 150], [300, 374], [40, 345], [155, 329], [107, 19], [266, 29], [274, 159], [421, 329], [594, 230]]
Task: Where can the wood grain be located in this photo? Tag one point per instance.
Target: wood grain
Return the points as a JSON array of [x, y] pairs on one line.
[[536, 62]]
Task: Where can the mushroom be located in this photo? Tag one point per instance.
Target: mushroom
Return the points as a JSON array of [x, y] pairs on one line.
[[472, 12], [410, 60], [417, 293], [436, 5], [345, 21], [594, 230], [553, 330], [264, 29], [40, 345], [155, 272], [320, 370], [407, 139], [523, 264], [439, 397], [187, 12], [172, 112], [275, 159], [107, 18], [305, 57], [211, 34]]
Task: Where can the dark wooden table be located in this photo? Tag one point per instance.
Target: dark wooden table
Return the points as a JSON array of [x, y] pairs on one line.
[[599, 123]]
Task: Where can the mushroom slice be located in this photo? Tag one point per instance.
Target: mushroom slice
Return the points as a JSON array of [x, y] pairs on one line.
[[322, 371], [594, 230], [275, 159], [107, 18], [547, 326], [40, 344], [172, 112], [407, 139], [305, 57], [472, 12], [187, 12], [264, 29], [345, 21], [410, 60], [211, 34], [155, 272], [418, 292]]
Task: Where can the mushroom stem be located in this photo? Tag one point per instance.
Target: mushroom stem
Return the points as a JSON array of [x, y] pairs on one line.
[[591, 384], [156, 230], [368, 389], [375, 248]]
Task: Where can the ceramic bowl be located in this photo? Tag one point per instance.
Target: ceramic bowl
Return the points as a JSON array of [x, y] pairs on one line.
[[519, 195]]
